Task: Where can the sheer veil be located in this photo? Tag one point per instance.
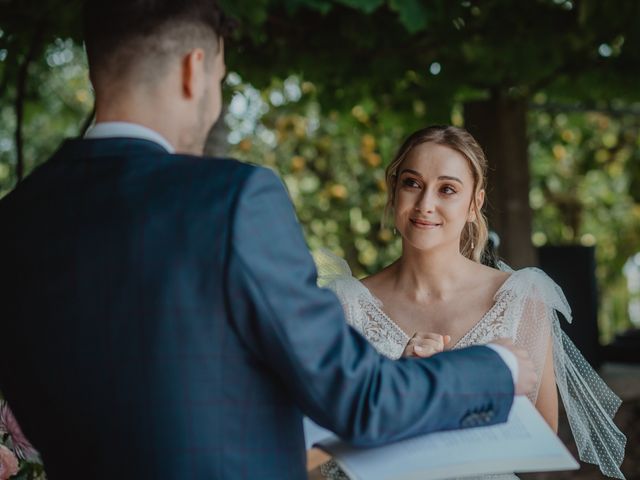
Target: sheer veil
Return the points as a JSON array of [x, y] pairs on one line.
[[589, 403]]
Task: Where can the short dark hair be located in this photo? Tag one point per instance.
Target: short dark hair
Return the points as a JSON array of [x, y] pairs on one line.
[[121, 33]]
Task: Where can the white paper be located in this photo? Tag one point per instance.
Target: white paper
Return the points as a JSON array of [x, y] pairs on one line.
[[524, 444]]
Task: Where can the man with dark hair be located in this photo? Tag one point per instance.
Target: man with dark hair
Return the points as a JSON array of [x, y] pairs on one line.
[[161, 315], [134, 47]]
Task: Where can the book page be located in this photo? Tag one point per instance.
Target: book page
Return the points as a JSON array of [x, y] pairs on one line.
[[524, 444]]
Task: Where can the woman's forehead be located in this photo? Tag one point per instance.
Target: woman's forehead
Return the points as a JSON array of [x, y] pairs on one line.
[[432, 159]]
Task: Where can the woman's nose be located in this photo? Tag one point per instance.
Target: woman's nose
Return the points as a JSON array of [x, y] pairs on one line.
[[426, 202]]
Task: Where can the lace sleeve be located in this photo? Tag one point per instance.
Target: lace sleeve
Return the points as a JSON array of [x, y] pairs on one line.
[[589, 403], [362, 310], [330, 267], [334, 273]]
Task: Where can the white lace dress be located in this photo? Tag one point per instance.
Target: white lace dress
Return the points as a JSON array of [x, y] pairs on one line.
[[525, 309]]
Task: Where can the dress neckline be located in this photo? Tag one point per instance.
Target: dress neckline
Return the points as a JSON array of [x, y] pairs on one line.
[[378, 303]]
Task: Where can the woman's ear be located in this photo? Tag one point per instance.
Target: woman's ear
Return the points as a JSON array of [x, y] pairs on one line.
[[480, 199], [476, 205]]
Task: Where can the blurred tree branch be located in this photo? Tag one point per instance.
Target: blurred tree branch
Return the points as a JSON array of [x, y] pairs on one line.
[[4, 82], [21, 89]]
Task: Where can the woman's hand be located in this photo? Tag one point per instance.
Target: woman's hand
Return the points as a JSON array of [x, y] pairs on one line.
[[424, 345]]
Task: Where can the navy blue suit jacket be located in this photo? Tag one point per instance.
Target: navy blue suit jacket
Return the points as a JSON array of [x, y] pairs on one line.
[[161, 319]]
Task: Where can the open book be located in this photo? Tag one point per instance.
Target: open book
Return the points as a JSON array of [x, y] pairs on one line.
[[524, 444]]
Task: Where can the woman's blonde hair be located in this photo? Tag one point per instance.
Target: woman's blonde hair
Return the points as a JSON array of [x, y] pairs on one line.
[[474, 236]]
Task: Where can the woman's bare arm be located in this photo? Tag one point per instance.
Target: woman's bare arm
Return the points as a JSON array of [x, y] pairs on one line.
[[547, 402]]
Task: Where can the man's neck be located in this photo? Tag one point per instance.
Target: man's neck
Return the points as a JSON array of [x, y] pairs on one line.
[[142, 108], [128, 130]]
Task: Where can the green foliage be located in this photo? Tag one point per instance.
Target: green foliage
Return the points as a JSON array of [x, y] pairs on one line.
[[32, 25], [413, 14], [58, 100], [579, 50], [366, 6], [331, 162], [583, 168], [30, 471], [566, 48], [370, 72]]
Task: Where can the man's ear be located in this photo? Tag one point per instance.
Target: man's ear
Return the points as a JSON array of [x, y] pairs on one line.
[[193, 74]]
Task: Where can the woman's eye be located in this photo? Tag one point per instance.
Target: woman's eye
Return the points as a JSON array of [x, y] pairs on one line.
[[410, 182], [448, 190]]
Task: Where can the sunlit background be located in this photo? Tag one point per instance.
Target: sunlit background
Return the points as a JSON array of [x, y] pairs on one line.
[[584, 150]]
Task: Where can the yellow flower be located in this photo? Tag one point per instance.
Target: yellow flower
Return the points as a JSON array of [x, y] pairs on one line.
[[298, 163], [338, 191], [360, 114], [245, 145], [373, 159], [385, 235], [568, 136], [368, 143], [559, 152]]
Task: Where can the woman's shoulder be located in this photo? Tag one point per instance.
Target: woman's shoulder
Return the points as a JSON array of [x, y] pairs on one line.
[[531, 284], [493, 275], [533, 278], [489, 279], [379, 279]]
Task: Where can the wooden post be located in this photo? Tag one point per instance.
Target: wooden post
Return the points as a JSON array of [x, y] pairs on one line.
[[500, 126]]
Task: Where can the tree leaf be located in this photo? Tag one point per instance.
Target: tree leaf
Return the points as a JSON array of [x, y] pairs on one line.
[[366, 6], [322, 6], [412, 13]]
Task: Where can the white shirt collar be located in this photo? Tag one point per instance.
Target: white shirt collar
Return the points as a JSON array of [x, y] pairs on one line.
[[128, 130]]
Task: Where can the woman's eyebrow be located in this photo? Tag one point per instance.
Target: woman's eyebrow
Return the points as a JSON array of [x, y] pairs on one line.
[[441, 177], [454, 179], [408, 170]]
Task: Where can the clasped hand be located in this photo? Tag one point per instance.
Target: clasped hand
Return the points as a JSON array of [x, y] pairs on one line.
[[423, 345]]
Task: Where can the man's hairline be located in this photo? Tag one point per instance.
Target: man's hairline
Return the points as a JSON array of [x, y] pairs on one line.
[[209, 64]]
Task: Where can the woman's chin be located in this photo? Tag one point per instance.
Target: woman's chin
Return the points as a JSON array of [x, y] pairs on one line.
[[425, 245]]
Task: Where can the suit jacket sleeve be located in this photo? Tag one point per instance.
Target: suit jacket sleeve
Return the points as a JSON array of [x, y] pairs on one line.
[[334, 375]]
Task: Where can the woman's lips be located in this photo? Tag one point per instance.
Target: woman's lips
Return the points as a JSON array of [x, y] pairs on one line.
[[424, 223]]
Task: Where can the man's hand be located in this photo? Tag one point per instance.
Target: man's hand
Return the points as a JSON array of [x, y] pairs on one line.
[[527, 378], [424, 345]]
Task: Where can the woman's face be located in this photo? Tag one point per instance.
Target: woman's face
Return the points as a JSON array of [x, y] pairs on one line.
[[432, 204]]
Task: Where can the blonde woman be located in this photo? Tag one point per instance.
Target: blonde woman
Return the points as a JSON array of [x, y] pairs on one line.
[[439, 296]]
